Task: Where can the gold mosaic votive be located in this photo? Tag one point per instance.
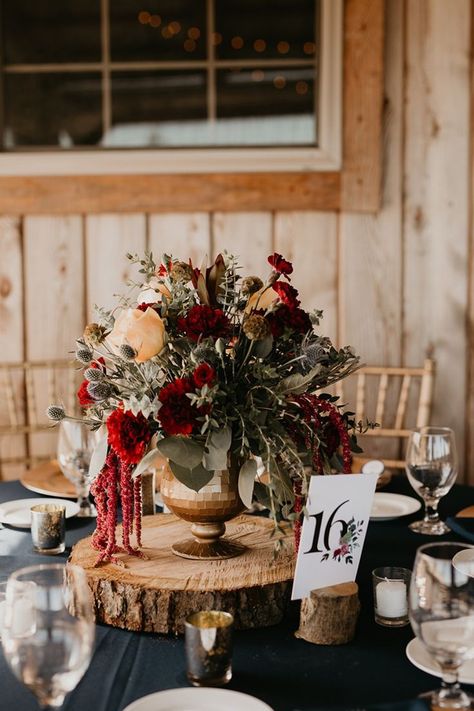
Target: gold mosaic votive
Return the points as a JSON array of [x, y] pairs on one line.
[[208, 640], [48, 528]]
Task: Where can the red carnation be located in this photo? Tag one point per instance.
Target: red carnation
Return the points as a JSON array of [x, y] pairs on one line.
[[279, 264], [83, 396], [204, 322], [287, 294], [177, 415], [289, 319], [128, 435], [204, 374]]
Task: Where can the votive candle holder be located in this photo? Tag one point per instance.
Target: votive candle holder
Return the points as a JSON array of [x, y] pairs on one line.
[[390, 586], [48, 528], [208, 641]]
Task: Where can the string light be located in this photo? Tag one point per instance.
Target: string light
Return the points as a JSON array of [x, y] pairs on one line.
[[301, 88], [216, 38], [189, 45], [237, 42], [144, 17], [283, 47], [155, 20], [260, 45], [258, 75], [194, 33], [174, 27], [279, 82], [309, 48], [166, 32]]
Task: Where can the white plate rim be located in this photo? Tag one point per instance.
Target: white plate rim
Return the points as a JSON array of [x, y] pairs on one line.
[[458, 560], [72, 509], [47, 492], [412, 504], [415, 647], [187, 695]]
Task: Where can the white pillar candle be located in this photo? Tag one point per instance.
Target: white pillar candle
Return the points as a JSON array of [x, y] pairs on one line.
[[391, 596]]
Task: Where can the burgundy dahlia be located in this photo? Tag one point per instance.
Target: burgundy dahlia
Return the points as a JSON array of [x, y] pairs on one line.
[[128, 434], [204, 374], [204, 322], [177, 415]]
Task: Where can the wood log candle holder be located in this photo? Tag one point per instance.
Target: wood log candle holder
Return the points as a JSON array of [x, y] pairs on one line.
[[329, 615]]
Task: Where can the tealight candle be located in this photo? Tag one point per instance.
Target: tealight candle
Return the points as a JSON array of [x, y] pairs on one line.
[[391, 596]]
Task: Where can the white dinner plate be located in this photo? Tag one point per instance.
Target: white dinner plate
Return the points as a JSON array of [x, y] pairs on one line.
[[389, 506], [17, 513], [198, 700], [421, 658]]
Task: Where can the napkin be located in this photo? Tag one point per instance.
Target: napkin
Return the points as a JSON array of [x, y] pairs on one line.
[[464, 527]]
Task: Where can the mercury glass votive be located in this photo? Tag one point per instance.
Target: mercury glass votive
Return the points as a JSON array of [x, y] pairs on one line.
[[48, 528], [391, 585], [208, 639]]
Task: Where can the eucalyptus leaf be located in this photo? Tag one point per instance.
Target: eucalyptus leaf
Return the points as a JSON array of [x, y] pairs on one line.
[[194, 478], [184, 452], [215, 459], [99, 455], [263, 348], [145, 463], [247, 474], [298, 382]]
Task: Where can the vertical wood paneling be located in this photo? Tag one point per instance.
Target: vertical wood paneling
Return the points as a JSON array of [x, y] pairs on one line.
[[182, 235], [309, 240], [247, 235], [371, 268], [54, 299], [437, 197], [11, 332], [108, 239]]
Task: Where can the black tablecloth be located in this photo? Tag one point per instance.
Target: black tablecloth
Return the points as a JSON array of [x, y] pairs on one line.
[[271, 664]]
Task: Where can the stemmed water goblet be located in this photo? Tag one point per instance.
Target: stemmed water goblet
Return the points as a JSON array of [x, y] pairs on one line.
[[441, 612], [48, 630], [75, 446], [431, 465]]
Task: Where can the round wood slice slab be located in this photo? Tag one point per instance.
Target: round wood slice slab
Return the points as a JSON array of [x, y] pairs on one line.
[[157, 594]]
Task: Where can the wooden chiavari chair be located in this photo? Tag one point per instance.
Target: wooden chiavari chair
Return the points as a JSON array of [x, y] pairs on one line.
[[397, 398], [26, 389]]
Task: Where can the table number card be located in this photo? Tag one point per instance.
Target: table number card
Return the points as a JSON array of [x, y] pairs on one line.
[[333, 533]]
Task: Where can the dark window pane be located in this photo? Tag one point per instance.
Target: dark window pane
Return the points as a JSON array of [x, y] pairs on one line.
[[157, 31], [52, 110], [36, 31], [268, 29], [158, 108], [266, 106]]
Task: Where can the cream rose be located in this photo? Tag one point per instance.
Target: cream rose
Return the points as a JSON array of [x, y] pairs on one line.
[[262, 299], [144, 331]]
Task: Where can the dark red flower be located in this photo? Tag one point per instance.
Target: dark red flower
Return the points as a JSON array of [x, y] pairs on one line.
[[163, 269], [279, 264], [83, 396], [204, 374], [287, 294], [128, 435], [204, 322], [177, 415], [285, 318]]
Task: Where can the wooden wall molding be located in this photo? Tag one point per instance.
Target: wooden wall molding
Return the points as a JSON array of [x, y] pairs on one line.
[[357, 187]]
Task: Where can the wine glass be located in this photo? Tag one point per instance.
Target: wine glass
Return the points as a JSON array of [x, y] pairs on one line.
[[441, 612], [431, 465], [76, 443], [48, 630]]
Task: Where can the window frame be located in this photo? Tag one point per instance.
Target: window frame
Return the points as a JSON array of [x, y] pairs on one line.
[[350, 180]]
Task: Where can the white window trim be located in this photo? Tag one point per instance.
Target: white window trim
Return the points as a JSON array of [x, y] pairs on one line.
[[325, 157]]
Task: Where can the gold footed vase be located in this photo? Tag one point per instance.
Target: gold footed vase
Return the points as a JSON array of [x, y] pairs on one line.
[[207, 510]]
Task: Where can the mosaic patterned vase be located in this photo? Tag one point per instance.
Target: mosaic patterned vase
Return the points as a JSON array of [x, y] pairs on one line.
[[207, 510]]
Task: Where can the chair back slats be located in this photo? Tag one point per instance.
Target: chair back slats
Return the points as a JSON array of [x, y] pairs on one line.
[[402, 402], [360, 395], [381, 397]]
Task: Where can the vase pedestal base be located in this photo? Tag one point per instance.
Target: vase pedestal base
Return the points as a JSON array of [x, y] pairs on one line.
[[157, 593], [216, 550]]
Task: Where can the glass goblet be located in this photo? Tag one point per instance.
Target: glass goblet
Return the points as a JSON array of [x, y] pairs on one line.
[[48, 630], [441, 612], [75, 446], [431, 465]]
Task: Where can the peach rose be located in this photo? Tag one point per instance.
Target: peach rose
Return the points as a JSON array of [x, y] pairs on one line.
[[262, 299], [144, 331], [153, 291]]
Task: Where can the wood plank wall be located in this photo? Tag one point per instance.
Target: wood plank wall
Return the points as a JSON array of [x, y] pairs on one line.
[[392, 285]]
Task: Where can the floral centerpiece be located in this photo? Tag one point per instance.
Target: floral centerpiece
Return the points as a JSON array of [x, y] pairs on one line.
[[220, 375]]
